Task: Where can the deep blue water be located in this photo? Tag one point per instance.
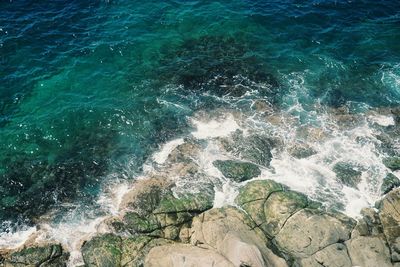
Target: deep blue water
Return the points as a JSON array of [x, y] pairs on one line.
[[90, 88]]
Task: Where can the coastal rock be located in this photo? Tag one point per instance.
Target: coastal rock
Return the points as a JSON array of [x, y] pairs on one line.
[[392, 163], [390, 182], [111, 250], [368, 225], [301, 151], [260, 189], [169, 217], [102, 251], [389, 213], [236, 170], [46, 256], [335, 255], [254, 147], [269, 204], [347, 173], [369, 251], [309, 231], [232, 234], [184, 152], [182, 255]]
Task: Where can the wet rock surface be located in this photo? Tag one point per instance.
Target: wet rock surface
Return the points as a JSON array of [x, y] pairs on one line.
[[51, 255], [272, 226], [236, 170]]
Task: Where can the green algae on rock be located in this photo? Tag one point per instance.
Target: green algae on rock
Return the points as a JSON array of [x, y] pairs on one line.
[[238, 171]]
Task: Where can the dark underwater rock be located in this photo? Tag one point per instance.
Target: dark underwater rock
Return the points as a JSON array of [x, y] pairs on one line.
[[254, 148], [301, 151], [218, 64], [392, 163], [347, 173], [238, 171], [389, 183]]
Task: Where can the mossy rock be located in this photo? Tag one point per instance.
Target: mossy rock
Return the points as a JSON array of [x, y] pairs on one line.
[[102, 251], [51, 255], [390, 182], [237, 170], [140, 224], [347, 173], [260, 189], [185, 203], [392, 163]]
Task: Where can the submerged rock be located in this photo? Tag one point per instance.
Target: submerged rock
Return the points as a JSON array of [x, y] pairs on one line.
[[254, 148], [301, 151], [237, 170], [392, 163], [45, 256], [390, 182], [347, 173]]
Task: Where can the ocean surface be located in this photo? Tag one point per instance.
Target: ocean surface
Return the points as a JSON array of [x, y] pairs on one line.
[[90, 91]]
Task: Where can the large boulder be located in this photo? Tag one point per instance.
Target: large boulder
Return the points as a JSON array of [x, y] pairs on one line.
[[46, 256], [253, 147], [369, 251], [110, 250], [238, 171], [389, 213], [182, 255], [102, 251], [309, 231], [270, 204], [232, 234], [170, 217], [335, 255]]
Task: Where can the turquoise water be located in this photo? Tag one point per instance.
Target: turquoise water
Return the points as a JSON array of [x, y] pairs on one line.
[[89, 89]]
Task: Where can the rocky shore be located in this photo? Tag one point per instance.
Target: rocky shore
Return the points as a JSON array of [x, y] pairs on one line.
[[271, 226], [163, 224]]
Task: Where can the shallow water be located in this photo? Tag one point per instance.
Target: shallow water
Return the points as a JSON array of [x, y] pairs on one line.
[[90, 91]]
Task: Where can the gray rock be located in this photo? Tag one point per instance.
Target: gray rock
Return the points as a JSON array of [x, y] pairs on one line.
[[392, 163], [269, 204], [389, 213], [390, 182], [181, 255], [335, 255], [347, 173], [237, 170], [309, 231], [255, 148], [301, 151], [369, 251], [232, 234]]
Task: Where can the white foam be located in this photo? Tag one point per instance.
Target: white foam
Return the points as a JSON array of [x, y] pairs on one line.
[[382, 120], [214, 128], [161, 156], [13, 240]]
